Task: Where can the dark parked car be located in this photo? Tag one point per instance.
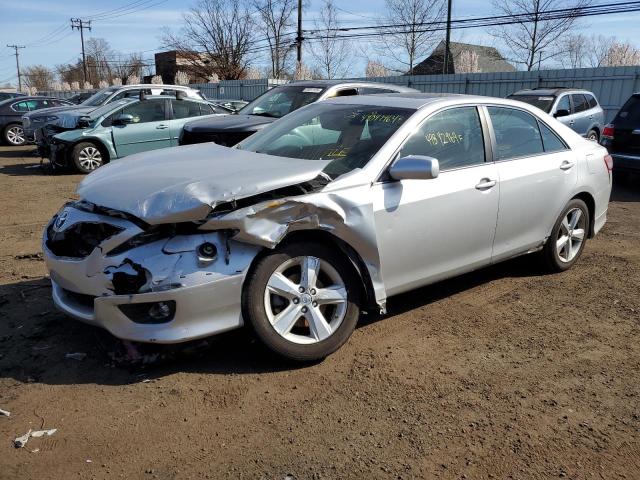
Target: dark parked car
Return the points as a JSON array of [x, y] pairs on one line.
[[274, 104], [577, 109], [8, 95], [12, 110], [622, 136], [78, 98]]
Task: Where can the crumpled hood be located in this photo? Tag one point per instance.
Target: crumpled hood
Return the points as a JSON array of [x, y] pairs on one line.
[[229, 123], [184, 184], [56, 110], [69, 118]]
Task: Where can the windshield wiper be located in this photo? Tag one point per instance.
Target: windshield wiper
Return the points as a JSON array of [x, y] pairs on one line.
[[266, 114]]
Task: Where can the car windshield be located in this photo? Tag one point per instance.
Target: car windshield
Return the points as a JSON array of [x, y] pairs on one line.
[[349, 135], [108, 108], [98, 98], [630, 112], [280, 101], [543, 102]]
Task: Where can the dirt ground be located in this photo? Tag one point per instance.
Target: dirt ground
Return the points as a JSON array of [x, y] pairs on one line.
[[503, 373]]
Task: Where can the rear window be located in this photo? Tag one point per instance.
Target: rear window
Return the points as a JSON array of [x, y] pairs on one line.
[[543, 102], [630, 111]]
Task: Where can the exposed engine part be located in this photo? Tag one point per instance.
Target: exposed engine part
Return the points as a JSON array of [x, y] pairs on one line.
[[79, 240], [128, 278]]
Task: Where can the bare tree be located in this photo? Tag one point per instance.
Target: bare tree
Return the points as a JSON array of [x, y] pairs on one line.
[[375, 69], [276, 21], [412, 39], [38, 77], [467, 62], [216, 38], [99, 57], [575, 50], [618, 54], [579, 51], [533, 40], [330, 53]]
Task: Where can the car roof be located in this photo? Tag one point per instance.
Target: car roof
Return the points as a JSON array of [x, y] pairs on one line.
[[347, 83], [418, 100], [549, 91]]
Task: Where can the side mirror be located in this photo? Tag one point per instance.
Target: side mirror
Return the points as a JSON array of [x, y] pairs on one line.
[[415, 167], [123, 119], [562, 113]]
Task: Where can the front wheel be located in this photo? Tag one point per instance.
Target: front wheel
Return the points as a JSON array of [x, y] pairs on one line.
[[86, 157], [568, 237], [14, 135], [302, 301]]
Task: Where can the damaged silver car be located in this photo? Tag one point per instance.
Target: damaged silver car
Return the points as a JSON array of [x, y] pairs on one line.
[[327, 212]]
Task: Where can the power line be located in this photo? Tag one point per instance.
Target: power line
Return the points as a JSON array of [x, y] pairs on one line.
[[78, 23]]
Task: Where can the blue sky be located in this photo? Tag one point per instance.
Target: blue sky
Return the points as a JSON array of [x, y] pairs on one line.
[[26, 22]]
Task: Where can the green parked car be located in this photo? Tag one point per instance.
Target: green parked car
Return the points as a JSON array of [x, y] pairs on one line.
[[122, 128]]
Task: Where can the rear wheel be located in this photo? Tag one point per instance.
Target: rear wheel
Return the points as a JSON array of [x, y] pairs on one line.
[[87, 157], [568, 237], [14, 135], [302, 301], [593, 136]]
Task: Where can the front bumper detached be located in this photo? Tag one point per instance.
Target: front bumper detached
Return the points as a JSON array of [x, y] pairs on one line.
[[163, 291]]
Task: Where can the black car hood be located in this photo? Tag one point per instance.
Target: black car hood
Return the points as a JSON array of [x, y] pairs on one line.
[[229, 123]]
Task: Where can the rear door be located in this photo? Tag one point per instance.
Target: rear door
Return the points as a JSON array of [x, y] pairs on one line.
[[536, 172], [183, 111], [581, 119], [627, 128], [149, 130]]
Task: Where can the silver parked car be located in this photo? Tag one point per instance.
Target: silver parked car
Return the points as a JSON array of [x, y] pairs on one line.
[[577, 109], [330, 210]]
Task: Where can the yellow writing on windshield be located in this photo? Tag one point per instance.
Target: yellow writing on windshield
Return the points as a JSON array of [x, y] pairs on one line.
[[338, 152], [375, 117], [443, 138]]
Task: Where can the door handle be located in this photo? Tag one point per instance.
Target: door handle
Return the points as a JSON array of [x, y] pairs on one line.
[[485, 184], [162, 127], [566, 165]]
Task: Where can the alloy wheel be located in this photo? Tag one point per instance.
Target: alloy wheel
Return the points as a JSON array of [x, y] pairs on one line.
[[571, 235], [90, 158], [15, 135], [305, 300]]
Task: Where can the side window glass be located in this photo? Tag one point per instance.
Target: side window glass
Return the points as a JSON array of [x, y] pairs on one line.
[[135, 93], [517, 133], [346, 92], [593, 103], [564, 104], [551, 141], [20, 107], [185, 109], [453, 137], [146, 111], [579, 103], [373, 90]]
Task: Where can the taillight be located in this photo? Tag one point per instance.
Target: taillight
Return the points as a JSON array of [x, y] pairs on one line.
[[608, 161], [609, 131]]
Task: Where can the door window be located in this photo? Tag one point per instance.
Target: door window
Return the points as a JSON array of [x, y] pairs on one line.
[[550, 140], [185, 109], [24, 106], [373, 90], [564, 104], [593, 103], [453, 137], [580, 103], [146, 111], [517, 133]]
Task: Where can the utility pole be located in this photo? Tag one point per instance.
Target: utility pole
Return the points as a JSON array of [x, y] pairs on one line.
[[299, 37], [15, 48], [447, 42], [78, 23]]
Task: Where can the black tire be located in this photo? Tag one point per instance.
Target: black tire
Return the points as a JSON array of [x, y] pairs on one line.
[[593, 135], [254, 307], [84, 164], [9, 137], [550, 252]]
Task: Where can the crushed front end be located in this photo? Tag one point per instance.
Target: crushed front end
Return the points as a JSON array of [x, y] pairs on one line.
[[164, 283]]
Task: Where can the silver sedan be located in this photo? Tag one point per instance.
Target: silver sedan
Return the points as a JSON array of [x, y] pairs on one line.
[[325, 213]]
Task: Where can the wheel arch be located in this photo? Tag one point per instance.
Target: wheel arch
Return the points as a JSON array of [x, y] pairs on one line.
[[97, 142], [588, 199], [321, 236]]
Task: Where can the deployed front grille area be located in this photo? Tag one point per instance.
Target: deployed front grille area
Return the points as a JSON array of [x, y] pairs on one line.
[[79, 240], [80, 298]]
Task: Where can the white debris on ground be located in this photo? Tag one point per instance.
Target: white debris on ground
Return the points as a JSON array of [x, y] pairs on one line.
[[21, 441], [4, 413]]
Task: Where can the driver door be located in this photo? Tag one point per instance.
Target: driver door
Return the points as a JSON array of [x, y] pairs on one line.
[[149, 130], [428, 230]]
